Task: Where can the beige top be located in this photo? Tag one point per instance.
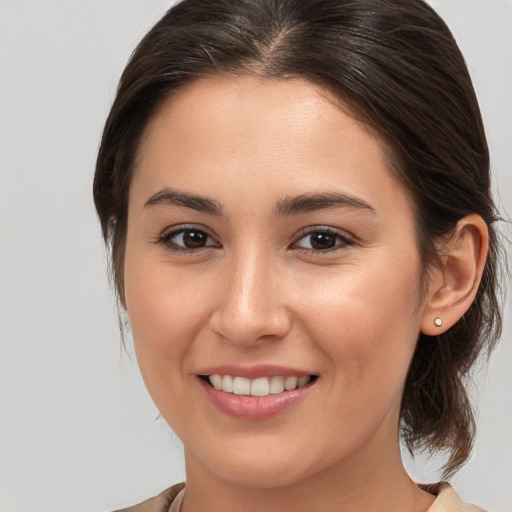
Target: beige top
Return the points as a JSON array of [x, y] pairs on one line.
[[447, 499], [170, 500]]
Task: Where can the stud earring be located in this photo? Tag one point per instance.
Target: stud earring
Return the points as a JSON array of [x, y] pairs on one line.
[[438, 322]]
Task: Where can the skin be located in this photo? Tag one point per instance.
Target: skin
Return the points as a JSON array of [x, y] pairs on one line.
[[258, 292]]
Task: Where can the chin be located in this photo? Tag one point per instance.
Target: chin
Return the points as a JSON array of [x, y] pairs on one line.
[[262, 474], [265, 465]]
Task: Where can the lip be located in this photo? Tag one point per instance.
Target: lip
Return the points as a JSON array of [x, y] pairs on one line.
[[254, 407], [253, 371]]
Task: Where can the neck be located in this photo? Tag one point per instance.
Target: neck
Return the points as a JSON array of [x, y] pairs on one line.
[[367, 480]]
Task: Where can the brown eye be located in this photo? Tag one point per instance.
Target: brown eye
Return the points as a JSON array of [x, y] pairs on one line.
[[188, 239], [322, 240], [194, 239]]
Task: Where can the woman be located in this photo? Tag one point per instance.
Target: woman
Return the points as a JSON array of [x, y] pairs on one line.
[[296, 194]]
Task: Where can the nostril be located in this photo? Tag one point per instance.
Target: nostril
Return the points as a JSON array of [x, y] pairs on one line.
[[248, 319]]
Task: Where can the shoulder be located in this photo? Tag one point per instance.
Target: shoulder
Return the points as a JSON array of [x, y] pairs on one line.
[[448, 500], [159, 503]]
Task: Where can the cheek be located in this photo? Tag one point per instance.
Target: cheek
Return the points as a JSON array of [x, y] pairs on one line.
[[368, 323], [161, 325], [161, 301], [163, 337]]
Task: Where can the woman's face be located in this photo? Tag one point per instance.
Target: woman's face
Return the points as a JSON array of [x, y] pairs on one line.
[[267, 239]]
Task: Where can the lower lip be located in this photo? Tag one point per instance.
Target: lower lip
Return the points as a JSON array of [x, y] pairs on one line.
[[254, 407]]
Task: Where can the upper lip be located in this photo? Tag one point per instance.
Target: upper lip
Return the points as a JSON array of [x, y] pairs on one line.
[[253, 371]]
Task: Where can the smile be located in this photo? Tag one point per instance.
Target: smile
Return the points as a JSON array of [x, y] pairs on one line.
[[255, 397], [262, 386]]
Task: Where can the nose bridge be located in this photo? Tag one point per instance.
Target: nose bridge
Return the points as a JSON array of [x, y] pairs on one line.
[[250, 305]]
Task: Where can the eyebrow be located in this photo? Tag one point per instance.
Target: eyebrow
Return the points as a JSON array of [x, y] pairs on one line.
[[320, 201], [176, 198], [292, 205]]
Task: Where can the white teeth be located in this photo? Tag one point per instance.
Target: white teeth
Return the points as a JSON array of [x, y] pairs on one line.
[[227, 384], [276, 385], [303, 381], [241, 386], [216, 381], [290, 383], [262, 386]]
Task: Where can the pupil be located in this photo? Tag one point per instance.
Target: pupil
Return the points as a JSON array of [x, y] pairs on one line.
[[194, 239], [322, 241]]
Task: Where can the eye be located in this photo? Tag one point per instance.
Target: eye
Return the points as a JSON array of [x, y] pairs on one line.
[[322, 240], [186, 239]]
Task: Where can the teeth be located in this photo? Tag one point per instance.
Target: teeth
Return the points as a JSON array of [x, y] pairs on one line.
[[290, 383], [227, 384], [303, 381], [276, 385], [263, 386], [241, 386], [260, 387], [216, 381]]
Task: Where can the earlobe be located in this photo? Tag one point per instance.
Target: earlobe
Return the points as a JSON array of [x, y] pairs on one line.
[[453, 285]]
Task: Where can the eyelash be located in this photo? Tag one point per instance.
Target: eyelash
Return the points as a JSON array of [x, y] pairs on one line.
[[343, 240], [166, 239]]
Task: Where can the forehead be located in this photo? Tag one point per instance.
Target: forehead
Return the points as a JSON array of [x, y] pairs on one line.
[[287, 132], [254, 107]]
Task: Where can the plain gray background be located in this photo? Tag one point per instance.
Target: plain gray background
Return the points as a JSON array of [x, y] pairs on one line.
[[78, 431]]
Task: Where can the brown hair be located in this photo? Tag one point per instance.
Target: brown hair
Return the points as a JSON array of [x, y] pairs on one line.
[[396, 65]]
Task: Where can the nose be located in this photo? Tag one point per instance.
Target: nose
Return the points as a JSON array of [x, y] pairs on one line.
[[250, 305]]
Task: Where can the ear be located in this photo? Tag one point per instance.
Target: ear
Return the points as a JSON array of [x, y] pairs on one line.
[[453, 285]]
